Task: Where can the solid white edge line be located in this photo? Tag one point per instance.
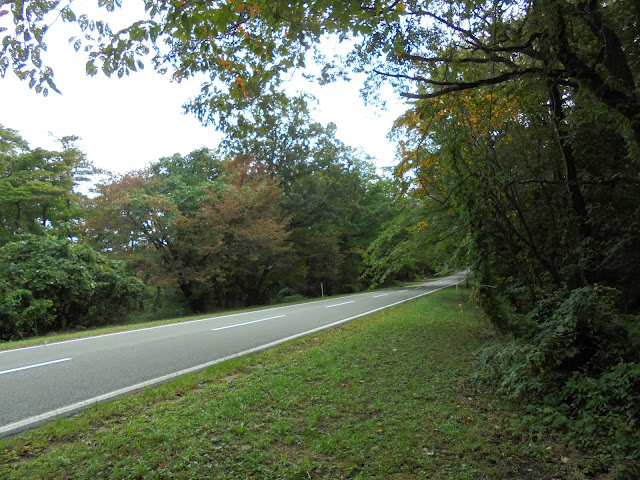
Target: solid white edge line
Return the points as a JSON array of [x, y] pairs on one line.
[[246, 323], [16, 427], [36, 365]]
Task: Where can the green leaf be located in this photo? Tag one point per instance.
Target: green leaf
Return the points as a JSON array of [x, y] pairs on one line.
[[91, 68]]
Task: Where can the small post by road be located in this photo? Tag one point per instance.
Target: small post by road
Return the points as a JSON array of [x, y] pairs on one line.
[[322, 289]]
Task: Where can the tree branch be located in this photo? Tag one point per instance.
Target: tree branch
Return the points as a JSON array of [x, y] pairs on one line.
[[468, 35], [605, 182], [492, 59], [451, 87]]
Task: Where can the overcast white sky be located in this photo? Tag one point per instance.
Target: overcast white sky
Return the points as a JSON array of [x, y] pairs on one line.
[[124, 124]]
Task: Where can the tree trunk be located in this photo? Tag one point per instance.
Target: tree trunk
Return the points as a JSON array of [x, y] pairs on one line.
[[571, 176]]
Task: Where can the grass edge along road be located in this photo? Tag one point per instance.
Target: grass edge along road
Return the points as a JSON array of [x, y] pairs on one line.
[[386, 396]]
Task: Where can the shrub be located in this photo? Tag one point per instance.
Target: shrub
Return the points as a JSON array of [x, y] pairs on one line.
[[288, 294], [578, 368], [52, 284]]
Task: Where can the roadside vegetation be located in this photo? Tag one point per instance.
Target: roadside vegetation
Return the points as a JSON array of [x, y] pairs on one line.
[[389, 396], [194, 234]]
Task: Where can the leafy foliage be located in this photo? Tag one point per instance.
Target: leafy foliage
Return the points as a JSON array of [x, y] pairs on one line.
[[403, 250], [334, 200], [336, 204], [578, 368], [289, 207], [543, 247], [246, 47], [48, 282], [211, 227], [36, 186], [51, 284]]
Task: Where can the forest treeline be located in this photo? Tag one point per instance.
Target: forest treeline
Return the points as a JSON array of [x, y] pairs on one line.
[[283, 210], [519, 156]]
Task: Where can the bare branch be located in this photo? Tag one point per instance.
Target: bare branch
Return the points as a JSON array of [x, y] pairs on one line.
[[492, 59], [469, 36], [605, 182]]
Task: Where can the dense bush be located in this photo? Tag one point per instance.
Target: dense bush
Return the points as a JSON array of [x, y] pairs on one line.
[[579, 369], [49, 284]]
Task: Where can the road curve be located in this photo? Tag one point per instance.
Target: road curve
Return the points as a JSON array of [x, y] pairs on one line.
[[41, 382]]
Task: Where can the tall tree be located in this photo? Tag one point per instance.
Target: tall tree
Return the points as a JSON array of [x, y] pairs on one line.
[[212, 228], [331, 193], [36, 186], [554, 250], [246, 47]]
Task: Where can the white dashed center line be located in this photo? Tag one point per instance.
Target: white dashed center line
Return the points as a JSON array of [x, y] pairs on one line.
[[246, 323], [338, 304], [27, 367]]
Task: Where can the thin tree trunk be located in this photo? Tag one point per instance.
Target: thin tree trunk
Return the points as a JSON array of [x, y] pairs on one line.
[[575, 193]]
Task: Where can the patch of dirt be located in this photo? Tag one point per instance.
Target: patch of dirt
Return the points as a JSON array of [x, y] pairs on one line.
[[229, 378]]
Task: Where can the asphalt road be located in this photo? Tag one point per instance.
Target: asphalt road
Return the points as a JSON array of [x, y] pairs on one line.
[[42, 382]]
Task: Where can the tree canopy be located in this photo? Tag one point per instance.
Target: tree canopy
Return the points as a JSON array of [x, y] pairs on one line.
[[428, 48], [47, 281], [36, 186]]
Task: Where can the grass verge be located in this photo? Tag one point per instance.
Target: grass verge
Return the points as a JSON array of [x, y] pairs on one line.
[[387, 396]]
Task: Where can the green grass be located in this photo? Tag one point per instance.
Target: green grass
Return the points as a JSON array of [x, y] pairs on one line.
[[388, 396]]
